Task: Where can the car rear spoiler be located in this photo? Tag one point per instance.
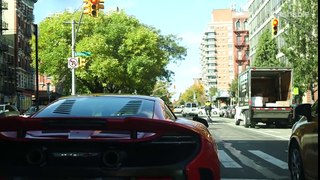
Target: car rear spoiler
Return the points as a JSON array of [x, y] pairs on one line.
[[21, 125]]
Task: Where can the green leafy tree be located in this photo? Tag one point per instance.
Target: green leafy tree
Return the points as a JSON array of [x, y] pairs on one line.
[[267, 51], [161, 89], [233, 90], [213, 91], [194, 93], [126, 55], [301, 48]]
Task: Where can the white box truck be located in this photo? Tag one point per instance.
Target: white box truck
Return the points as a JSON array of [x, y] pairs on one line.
[[265, 95]]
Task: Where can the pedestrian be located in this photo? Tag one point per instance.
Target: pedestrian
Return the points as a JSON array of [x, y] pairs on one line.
[[208, 108]]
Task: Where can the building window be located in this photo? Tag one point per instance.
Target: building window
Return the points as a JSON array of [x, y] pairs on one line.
[[245, 25], [238, 25], [239, 54], [238, 39], [246, 38]]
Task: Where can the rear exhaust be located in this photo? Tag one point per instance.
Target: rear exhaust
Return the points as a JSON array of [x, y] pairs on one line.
[[35, 156], [111, 158]]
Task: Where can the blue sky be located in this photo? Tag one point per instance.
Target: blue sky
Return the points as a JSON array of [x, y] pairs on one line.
[[185, 18]]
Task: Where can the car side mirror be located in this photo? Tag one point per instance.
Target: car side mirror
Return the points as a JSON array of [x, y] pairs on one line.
[[302, 110], [201, 120]]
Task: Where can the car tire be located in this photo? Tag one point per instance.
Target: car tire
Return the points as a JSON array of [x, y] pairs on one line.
[[237, 122], [295, 163], [246, 119]]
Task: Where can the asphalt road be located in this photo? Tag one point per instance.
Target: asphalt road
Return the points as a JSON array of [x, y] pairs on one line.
[[250, 153]]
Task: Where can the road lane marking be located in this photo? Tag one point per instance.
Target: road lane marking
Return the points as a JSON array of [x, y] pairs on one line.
[[227, 161], [257, 131], [270, 159]]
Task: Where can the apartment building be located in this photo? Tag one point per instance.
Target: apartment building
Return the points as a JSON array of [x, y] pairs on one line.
[[7, 63], [223, 26], [17, 83], [241, 42], [208, 58], [224, 49]]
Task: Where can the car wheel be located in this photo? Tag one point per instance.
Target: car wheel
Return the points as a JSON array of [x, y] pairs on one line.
[[237, 122], [246, 119], [295, 163]]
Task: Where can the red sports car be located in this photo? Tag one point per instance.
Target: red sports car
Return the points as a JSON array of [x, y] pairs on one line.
[[107, 137]]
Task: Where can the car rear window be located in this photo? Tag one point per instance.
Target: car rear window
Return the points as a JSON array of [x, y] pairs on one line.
[[99, 107], [189, 105]]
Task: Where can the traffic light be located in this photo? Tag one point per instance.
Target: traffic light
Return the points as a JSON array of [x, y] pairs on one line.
[[100, 4], [87, 7], [82, 62], [274, 24], [94, 8]]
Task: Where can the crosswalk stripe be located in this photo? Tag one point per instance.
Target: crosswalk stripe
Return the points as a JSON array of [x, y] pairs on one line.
[[227, 161], [270, 159]]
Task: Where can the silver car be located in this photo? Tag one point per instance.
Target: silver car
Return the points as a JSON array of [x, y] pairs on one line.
[[8, 110]]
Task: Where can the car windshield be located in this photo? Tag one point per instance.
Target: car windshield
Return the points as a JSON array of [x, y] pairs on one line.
[[99, 107]]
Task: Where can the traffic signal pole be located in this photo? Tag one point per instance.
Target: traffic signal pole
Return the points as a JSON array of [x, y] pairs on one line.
[[73, 89], [73, 41]]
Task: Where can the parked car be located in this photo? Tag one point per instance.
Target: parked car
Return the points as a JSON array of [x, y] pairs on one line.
[[8, 110], [238, 117], [230, 111], [31, 110], [107, 136], [190, 109], [222, 111], [178, 109], [303, 144], [202, 111]]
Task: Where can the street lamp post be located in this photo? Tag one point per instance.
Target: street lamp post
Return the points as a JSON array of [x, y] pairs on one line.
[[49, 92], [296, 24], [161, 87], [35, 31]]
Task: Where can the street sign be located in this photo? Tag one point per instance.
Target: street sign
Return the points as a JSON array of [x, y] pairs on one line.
[[86, 54], [73, 63]]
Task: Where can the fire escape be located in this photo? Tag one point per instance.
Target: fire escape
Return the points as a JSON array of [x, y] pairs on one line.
[[7, 70], [243, 46]]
